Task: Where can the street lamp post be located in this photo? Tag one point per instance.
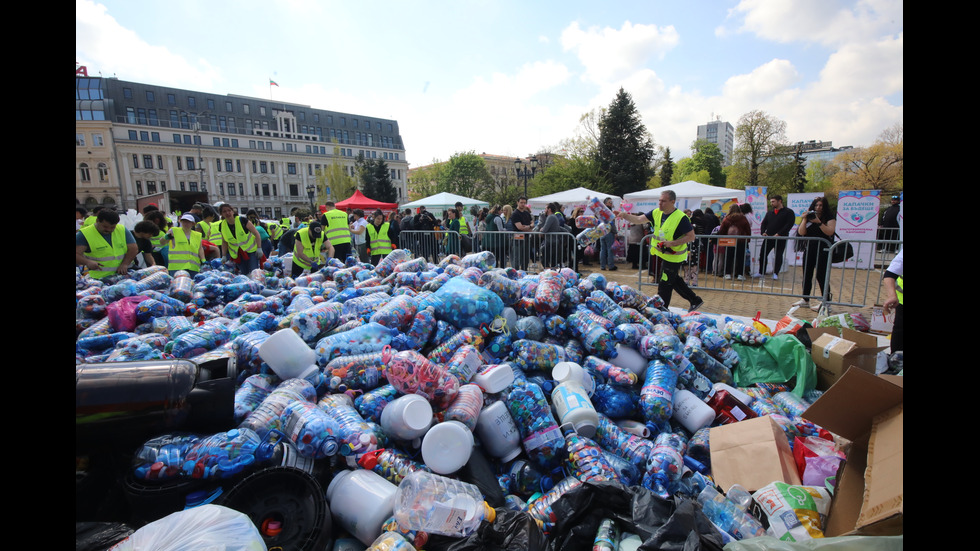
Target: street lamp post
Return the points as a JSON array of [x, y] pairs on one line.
[[524, 172], [311, 192]]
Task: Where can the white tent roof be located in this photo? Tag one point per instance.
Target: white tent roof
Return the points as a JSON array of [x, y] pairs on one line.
[[443, 200], [570, 198], [689, 188]]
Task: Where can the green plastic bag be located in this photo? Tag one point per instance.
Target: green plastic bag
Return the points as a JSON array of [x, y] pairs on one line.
[[779, 360]]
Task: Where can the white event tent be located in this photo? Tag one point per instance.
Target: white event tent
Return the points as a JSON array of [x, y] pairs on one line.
[[569, 200], [690, 194], [442, 201]]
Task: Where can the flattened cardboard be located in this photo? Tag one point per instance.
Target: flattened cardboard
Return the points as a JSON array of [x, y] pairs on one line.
[[753, 453], [834, 353], [860, 406]]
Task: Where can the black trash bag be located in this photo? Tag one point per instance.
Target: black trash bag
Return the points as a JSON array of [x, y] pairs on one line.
[[479, 472], [677, 524], [99, 536], [510, 531]]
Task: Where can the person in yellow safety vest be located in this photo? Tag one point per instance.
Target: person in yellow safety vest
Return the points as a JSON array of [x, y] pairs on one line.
[[308, 247], [893, 282], [186, 248], [379, 237], [337, 231], [672, 231], [240, 240], [106, 247]]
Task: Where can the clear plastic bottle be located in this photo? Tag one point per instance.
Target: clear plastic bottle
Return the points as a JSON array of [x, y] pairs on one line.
[[439, 505], [656, 396], [728, 516], [312, 430], [226, 454]]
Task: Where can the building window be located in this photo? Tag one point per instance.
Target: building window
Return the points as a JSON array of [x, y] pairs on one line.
[[263, 167], [217, 163], [265, 190], [139, 187], [241, 189], [217, 142], [148, 163], [176, 138], [221, 188], [180, 163], [192, 186], [231, 188], [151, 187], [234, 142], [79, 140], [149, 97], [291, 168], [128, 93], [228, 165], [191, 102], [103, 172], [225, 142], [154, 136], [130, 115], [160, 162], [343, 121], [132, 135], [274, 194], [251, 144], [171, 99], [228, 106], [238, 165], [211, 104], [84, 172], [136, 160], [262, 110], [190, 163], [245, 108]]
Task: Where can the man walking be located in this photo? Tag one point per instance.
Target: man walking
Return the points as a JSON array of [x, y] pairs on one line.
[[672, 231], [777, 222], [523, 222]]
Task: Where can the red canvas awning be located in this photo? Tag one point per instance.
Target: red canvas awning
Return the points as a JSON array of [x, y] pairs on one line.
[[365, 203]]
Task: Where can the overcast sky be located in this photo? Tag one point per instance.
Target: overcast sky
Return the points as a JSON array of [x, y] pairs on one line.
[[511, 78]]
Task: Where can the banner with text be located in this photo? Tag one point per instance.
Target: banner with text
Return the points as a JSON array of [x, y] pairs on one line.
[[857, 218]]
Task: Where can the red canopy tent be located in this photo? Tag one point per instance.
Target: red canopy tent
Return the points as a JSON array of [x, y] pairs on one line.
[[365, 203]]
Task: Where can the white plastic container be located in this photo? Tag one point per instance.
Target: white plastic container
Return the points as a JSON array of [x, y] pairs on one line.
[[288, 355], [571, 371], [628, 358], [361, 501], [447, 447], [407, 417], [494, 378], [634, 427], [691, 411], [572, 405], [497, 432]]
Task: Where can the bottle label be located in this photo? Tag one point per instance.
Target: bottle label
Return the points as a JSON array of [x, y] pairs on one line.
[[541, 438], [446, 519]]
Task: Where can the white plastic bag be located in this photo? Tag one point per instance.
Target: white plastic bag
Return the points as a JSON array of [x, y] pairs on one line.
[[206, 528]]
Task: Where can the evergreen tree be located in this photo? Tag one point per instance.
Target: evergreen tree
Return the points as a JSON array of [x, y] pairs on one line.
[[666, 169], [799, 178], [625, 147], [383, 187]]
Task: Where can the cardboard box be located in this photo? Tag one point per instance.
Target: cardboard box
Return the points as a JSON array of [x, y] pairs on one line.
[[880, 322], [867, 410], [834, 353], [753, 453]]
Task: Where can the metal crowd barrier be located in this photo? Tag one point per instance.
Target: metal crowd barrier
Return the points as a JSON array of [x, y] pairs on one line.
[[732, 263], [433, 245], [532, 252]]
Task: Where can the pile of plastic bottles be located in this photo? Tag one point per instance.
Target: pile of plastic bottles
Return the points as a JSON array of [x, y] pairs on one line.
[[557, 379]]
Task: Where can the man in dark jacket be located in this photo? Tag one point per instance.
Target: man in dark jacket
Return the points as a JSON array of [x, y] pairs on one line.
[[777, 222]]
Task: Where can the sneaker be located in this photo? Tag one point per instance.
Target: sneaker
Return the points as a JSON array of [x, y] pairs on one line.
[[757, 274], [728, 276], [613, 268], [775, 276], [802, 302], [740, 277], [816, 306], [698, 303]]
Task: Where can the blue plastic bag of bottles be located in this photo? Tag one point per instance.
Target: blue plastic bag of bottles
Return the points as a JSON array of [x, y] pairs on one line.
[[464, 304]]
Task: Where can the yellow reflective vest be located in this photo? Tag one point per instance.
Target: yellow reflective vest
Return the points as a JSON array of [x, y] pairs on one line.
[[899, 291], [212, 232], [378, 239], [663, 230], [463, 226], [303, 244], [337, 230], [242, 239], [109, 255], [184, 255]]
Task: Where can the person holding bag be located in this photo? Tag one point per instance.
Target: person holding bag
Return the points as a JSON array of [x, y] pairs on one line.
[[819, 222]]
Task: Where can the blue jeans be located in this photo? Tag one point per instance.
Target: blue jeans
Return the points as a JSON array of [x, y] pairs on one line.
[[606, 257]]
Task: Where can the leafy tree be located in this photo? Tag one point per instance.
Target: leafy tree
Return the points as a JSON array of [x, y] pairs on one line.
[[384, 188], [424, 181], [759, 140], [708, 158], [625, 147], [819, 175], [335, 178], [466, 174], [585, 142], [569, 173], [878, 166]]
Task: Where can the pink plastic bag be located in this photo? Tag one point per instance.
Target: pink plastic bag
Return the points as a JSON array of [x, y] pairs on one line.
[[122, 313]]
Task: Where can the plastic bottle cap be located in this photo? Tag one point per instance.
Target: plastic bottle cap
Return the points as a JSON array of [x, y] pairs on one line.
[[491, 514]]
